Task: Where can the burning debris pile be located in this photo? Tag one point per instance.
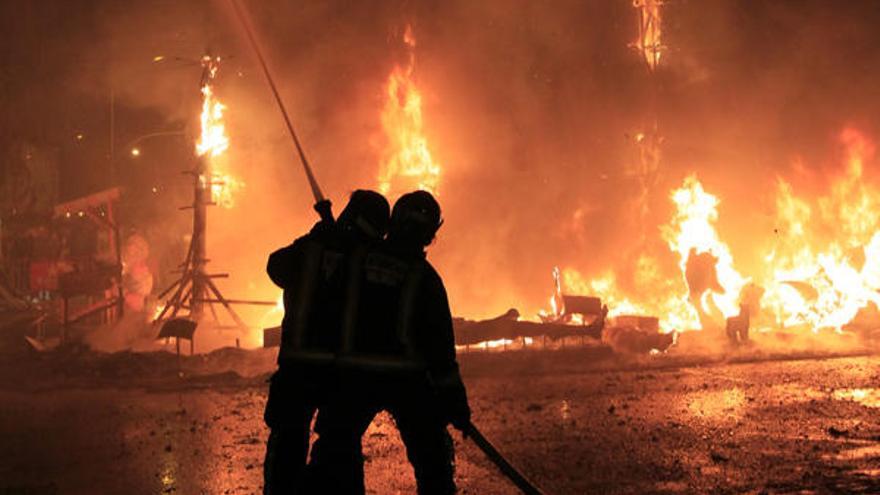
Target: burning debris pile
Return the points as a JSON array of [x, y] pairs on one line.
[[819, 274]]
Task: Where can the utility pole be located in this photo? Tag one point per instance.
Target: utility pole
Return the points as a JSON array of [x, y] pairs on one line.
[[650, 48], [195, 289]]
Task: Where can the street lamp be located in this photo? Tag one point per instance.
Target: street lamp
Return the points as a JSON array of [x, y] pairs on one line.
[[136, 152]]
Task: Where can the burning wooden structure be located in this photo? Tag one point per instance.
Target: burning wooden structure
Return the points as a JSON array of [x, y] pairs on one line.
[[195, 288]]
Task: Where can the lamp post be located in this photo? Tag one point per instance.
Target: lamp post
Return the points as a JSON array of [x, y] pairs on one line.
[[132, 145]]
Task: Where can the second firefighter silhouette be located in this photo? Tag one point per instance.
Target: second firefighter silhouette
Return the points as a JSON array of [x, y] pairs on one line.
[[311, 272], [398, 355]]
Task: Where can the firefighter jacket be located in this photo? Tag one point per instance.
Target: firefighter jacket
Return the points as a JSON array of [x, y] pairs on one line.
[[396, 318], [310, 272]]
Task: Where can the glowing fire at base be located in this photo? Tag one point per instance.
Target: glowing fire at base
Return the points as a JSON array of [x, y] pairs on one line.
[[822, 269], [406, 161], [496, 344]]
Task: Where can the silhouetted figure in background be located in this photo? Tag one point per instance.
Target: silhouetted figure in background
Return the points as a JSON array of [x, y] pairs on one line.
[[398, 354], [701, 274], [702, 277], [738, 326], [311, 272]]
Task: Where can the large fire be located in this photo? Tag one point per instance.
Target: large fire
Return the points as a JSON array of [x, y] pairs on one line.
[[692, 235], [826, 264], [821, 270], [406, 161], [213, 141]]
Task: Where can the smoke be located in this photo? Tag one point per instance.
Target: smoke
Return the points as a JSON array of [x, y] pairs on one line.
[[530, 108], [131, 332]]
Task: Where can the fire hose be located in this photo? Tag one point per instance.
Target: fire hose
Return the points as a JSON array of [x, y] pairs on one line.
[[513, 474], [322, 205]]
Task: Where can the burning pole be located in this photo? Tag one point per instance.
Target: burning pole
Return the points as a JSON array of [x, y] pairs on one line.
[[195, 287], [212, 143]]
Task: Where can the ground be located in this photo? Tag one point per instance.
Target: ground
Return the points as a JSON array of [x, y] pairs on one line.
[[573, 425]]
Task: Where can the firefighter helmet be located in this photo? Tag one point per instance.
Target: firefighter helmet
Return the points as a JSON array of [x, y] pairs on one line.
[[366, 214], [416, 218]]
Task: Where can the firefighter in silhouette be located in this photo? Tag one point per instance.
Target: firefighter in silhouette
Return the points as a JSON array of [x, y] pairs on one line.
[[311, 272], [398, 355]]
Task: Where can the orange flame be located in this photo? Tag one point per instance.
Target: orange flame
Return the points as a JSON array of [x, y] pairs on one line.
[[825, 265], [213, 140], [406, 161], [822, 269], [224, 188], [213, 143], [692, 232]]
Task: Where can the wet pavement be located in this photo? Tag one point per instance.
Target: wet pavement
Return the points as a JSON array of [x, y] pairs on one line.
[[801, 426]]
